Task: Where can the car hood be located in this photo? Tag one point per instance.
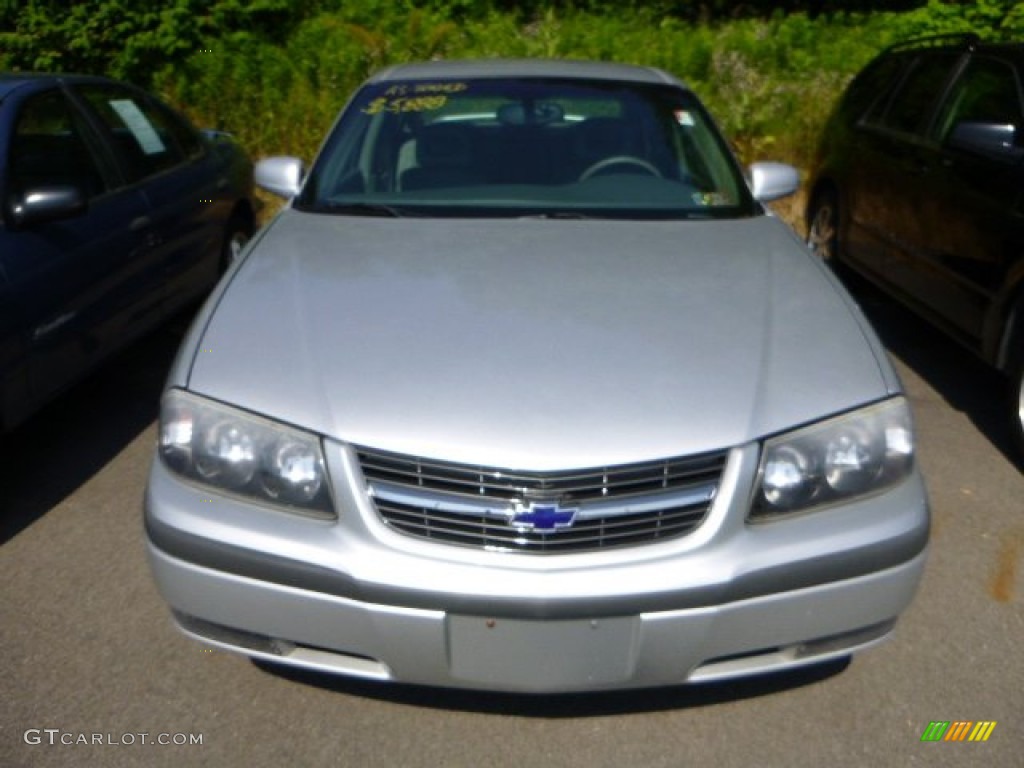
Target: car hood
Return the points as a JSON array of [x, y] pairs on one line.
[[535, 344]]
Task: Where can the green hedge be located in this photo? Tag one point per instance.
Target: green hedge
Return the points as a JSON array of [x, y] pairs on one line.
[[275, 72]]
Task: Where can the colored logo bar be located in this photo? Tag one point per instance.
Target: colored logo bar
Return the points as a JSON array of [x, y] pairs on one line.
[[958, 730]]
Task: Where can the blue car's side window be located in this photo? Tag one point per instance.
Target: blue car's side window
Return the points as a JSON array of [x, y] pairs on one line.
[[142, 135], [48, 149]]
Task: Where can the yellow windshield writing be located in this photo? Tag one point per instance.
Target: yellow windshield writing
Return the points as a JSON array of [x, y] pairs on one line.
[[407, 89], [398, 104]]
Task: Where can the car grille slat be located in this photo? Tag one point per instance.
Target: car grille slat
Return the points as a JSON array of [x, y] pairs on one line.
[[502, 537], [509, 485], [473, 506]]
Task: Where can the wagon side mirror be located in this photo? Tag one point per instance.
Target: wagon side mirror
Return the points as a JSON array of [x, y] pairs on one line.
[[998, 140]]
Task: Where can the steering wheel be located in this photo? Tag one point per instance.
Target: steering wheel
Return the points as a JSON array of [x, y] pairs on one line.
[[608, 162]]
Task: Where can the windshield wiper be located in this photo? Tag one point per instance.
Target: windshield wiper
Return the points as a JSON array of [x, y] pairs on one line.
[[558, 215], [364, 209]]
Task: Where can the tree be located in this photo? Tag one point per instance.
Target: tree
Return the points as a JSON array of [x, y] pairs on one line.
[[132, 39]]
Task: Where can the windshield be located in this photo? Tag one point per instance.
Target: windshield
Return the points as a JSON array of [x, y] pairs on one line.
[[521, 147]]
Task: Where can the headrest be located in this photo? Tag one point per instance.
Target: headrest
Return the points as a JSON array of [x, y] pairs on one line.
[[443, 144], [604, 137]]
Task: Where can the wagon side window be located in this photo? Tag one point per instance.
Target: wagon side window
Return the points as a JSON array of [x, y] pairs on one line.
[[988, 92]]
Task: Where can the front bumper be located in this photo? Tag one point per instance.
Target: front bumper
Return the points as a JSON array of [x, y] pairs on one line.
[[339, 635], [352, 597]]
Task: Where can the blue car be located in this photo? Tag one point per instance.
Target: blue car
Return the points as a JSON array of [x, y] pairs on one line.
[[115, 212]]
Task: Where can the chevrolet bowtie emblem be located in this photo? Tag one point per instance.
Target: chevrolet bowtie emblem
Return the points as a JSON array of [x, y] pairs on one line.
[[542, 517]]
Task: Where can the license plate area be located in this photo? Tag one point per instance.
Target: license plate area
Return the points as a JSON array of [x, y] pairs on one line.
[[531, 655]]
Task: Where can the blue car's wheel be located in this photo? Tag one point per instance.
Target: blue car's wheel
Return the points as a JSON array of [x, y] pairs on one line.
[[236, 235]]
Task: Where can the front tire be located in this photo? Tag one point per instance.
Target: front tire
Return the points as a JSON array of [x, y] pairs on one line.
[[823, 228]]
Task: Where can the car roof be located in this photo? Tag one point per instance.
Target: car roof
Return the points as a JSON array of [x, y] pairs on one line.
[[11, 81], [529, 68], [1008, 50], [957, 42]]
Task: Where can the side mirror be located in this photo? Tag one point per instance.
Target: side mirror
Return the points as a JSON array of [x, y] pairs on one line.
[[994, 139], [770, 181], [44, 204], [281, 176]]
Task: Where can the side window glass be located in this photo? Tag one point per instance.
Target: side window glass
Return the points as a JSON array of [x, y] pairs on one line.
[[873, 87], [142, 135], [48, 149], [182, 131], [987, 92], [912, 105]]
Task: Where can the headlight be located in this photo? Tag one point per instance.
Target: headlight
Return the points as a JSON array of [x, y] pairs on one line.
[[237, 452], [851, 455]]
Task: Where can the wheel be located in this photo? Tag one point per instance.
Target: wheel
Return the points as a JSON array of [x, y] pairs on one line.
[[608, 162], [236, 235], [823, 228]]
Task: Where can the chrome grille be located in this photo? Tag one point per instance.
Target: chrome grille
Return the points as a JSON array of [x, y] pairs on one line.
[[483, 507]]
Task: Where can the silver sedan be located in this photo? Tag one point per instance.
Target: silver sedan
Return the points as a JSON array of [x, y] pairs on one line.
[[525, 390]]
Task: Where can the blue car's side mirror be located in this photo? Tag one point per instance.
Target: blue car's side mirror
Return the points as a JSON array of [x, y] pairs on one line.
[[43, 204]]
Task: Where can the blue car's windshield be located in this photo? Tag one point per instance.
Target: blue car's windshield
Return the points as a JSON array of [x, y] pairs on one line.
[[516, 147]]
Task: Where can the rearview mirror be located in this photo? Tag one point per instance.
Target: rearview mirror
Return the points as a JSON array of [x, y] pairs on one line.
[[540, 113]]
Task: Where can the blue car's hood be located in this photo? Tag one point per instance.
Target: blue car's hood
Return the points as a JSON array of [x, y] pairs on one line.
[[535, 343]]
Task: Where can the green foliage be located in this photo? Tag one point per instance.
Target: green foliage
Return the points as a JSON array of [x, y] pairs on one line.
[[989, 19], [131, 39], [770, 82], [420, 35], [280, 98], [276, 72]]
